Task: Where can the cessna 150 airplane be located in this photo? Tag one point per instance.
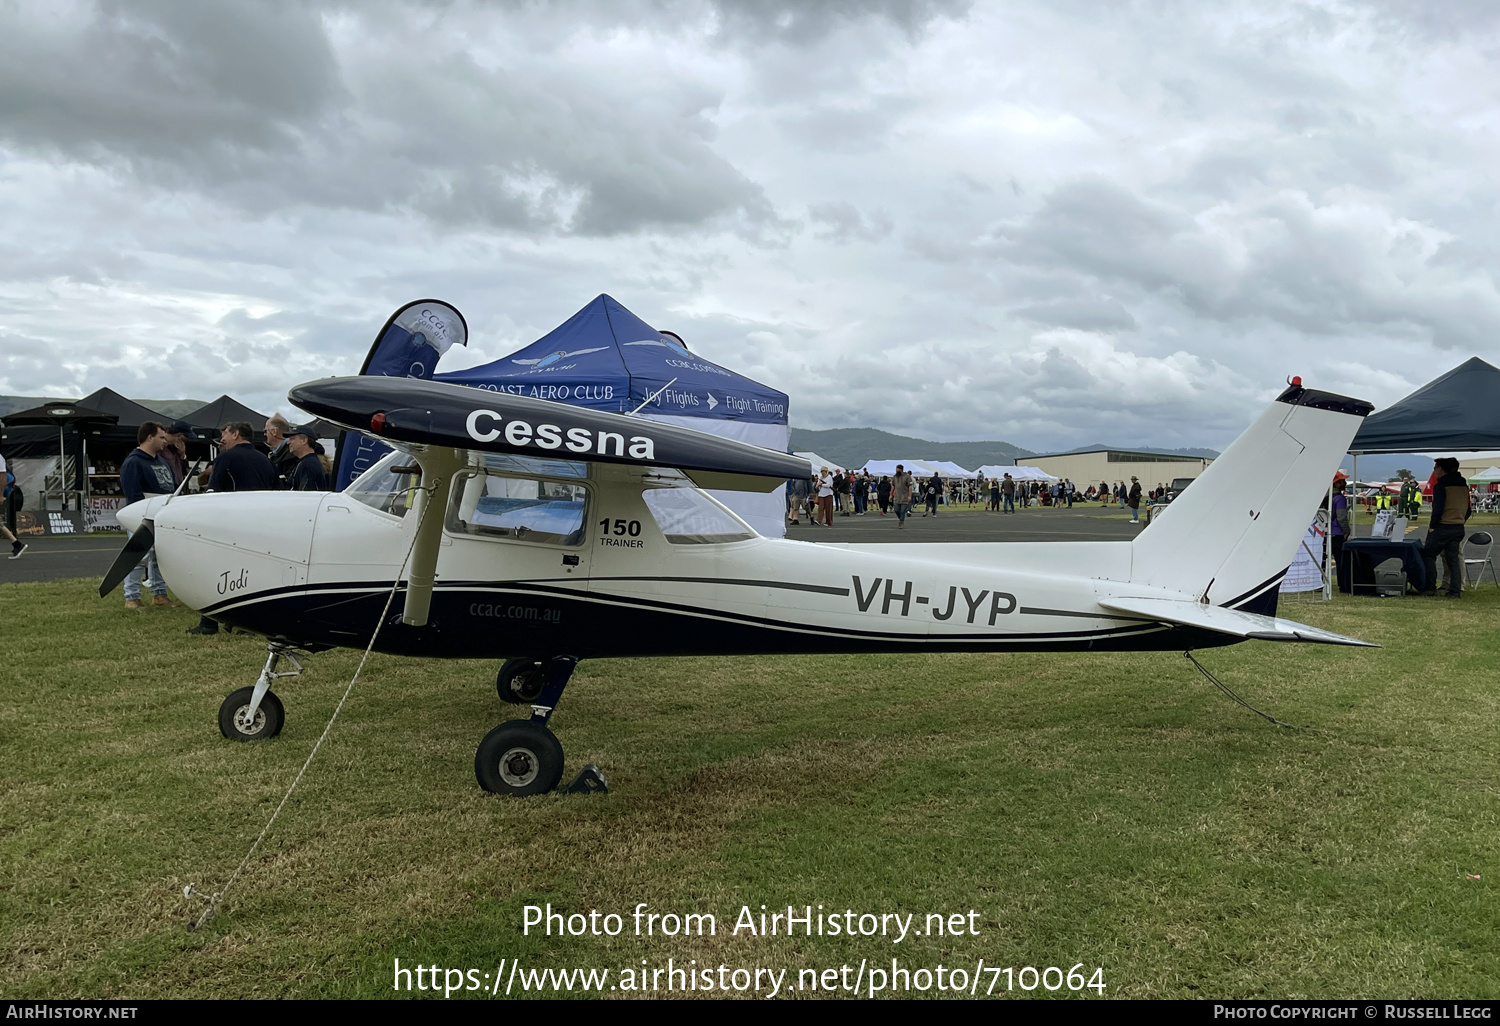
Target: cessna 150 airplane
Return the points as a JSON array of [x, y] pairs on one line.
[[516, 527]]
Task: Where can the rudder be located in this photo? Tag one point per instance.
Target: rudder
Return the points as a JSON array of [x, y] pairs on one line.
[[1229, 538]]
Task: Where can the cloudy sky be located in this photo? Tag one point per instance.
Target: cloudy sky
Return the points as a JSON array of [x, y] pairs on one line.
[[1050, 223]]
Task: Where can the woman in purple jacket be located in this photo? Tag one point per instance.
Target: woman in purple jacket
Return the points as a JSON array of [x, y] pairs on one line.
[[1338, 527]]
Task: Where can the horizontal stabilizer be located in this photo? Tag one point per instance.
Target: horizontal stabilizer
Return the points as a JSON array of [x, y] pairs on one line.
[[1226, 621], [410, 411]]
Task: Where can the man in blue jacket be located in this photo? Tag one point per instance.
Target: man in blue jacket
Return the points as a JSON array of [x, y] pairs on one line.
[[239, 467], [145, 473]]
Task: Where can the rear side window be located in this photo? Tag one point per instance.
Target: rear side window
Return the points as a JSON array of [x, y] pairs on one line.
[[688, 517], [523, 508]]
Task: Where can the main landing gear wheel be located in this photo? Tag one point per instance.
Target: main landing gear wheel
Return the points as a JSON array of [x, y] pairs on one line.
[[520, 681], [519, 758], [237, 726]]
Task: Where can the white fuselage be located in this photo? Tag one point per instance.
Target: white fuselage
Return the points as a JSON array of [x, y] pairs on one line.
[[317, 568]]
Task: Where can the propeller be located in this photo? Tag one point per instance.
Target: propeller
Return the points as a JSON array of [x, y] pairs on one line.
[[129, 558], [136, 547]]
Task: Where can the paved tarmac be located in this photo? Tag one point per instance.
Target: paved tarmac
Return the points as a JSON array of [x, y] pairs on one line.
[[58, 557], [54, 557], [1041, 524]]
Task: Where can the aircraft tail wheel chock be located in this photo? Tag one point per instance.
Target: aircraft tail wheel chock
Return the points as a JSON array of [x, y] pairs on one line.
[[521, 681], [519, 758]]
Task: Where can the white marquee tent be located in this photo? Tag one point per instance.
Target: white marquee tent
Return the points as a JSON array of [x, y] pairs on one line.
[[884, 468], [1017, 473], [817, 463]]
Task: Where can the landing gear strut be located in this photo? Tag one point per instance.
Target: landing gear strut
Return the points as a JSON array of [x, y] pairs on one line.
[[255, 713], [523, 757]]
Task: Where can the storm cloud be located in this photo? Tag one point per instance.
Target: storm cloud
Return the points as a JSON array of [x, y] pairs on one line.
[[1047, 223]]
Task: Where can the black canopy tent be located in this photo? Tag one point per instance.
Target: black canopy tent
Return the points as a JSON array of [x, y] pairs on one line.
[[213, 415], [1457, 412], [113, 444], [129, 415], [35, 435]]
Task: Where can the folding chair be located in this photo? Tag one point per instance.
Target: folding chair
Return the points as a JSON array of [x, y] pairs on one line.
[[1481, 558]]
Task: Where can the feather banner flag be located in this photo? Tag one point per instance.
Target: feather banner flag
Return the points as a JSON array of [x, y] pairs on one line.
[[409, 346]]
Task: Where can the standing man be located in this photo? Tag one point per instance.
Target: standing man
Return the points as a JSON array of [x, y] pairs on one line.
[[933, 491], [1008, 493], [144, 473], [1133, 500], [901, 491], [796, 495], [282, 457], [1445, 532], [1410, 491], [307, 473], [237, 468], [175, 451]]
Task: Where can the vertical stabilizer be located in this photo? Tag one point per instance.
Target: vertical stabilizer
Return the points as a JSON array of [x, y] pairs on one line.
[[1229, 538]]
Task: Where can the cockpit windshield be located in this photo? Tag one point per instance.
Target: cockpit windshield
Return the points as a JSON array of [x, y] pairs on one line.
[[383, 489]]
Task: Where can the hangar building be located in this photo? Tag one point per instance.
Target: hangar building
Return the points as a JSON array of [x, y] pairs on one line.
[[1112, 465]]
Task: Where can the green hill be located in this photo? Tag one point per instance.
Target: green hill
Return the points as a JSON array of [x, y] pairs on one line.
[[853, 446]]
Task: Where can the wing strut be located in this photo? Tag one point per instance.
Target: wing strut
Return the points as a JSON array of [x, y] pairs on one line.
[[438, 468]]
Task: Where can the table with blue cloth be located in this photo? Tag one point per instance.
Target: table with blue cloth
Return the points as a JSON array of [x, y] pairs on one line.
[[1363, 555]]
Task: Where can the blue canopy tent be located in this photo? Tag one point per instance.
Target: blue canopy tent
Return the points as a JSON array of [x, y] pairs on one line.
[[606, 358]]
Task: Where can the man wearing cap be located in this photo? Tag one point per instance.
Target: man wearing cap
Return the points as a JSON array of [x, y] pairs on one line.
[[1133, 500], [307, 473], [175, 451]]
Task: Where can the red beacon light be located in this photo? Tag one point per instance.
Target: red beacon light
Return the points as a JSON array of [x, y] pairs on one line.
[[377, 422]]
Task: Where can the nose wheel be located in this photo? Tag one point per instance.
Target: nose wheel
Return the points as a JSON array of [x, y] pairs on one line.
[[255, 713], [238, 723]]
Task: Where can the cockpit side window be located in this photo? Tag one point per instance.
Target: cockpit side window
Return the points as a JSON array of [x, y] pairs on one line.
[[499, 505]]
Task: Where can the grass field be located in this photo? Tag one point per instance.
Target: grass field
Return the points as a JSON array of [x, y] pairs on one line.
[[1113, 810]]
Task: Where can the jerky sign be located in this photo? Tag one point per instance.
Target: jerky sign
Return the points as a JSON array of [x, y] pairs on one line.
[[484, 426]]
